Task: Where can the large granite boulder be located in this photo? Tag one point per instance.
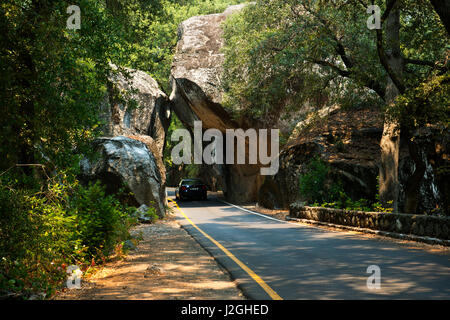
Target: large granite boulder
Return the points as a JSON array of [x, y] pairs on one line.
[[136, 112], [135, 105], [197, 95], [123, 162], [347, 140], [196, 71]]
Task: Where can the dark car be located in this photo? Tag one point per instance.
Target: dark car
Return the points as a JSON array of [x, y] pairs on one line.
[[191, 189]]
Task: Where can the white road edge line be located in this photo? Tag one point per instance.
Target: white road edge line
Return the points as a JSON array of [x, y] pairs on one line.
[[258, 214], [343, 228]]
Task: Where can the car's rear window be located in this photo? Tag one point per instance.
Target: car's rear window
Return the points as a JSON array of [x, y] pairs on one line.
[[190, 182]]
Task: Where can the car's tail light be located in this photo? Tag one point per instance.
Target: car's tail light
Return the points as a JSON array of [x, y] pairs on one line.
[[183, 188], [203, 187]]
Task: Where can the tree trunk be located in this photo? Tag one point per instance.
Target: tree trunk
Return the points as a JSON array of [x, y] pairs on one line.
[[412, 187], [389, 184], [390, 141]]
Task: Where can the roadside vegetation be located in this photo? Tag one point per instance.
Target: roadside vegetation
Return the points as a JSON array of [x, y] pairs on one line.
[[46, 228], [53, 80], [285, 56], [319, 189]]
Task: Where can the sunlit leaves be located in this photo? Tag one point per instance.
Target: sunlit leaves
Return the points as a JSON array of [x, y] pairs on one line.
[[282, 55]]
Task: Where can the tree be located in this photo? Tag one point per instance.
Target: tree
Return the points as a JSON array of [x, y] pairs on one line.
[[394, 63], [283, 55], [54, 79], [390, 140]]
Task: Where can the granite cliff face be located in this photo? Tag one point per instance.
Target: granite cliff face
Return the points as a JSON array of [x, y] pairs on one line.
[[348, 141]]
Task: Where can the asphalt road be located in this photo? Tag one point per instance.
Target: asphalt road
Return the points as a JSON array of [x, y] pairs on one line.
[[303, 262]]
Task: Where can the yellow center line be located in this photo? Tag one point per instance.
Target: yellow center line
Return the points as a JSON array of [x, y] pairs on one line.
[[249, 271]]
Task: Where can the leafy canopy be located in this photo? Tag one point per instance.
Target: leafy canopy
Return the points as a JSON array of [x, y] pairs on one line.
[[285, 55]]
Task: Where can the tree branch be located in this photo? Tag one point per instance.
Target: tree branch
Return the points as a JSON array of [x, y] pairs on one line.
[[369, 83], [341, 72], [424, 63], [340, 50], [390, 4], [385, 63], [419, 62]]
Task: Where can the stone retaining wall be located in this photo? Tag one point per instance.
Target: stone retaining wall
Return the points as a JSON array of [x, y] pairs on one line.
[[420, 225]]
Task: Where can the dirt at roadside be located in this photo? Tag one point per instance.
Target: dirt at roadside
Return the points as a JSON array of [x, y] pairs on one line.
[[168, 264]]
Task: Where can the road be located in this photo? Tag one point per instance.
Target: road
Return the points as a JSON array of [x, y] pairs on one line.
[[273, 259]]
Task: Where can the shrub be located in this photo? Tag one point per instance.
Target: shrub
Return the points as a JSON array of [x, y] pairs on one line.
[[318, 189], [100, 220], [151, 213], [44, 231], [315, 185], [35, 241]]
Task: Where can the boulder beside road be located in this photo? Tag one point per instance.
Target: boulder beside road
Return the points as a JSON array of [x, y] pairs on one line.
[[125, 162]]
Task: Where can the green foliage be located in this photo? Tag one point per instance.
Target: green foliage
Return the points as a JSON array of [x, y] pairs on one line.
[[283, 55], [101, 221], [54, 78], [317, 187], [428, 103], [20, 249], [192, 170], [378, 207], [189, 170], [346, 203], [152, 38], [42, 231], [151, 213], [314, 185], [175, 124]]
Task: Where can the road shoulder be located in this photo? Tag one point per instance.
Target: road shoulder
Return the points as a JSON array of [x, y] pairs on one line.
[[283, 215], [167, 265]]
